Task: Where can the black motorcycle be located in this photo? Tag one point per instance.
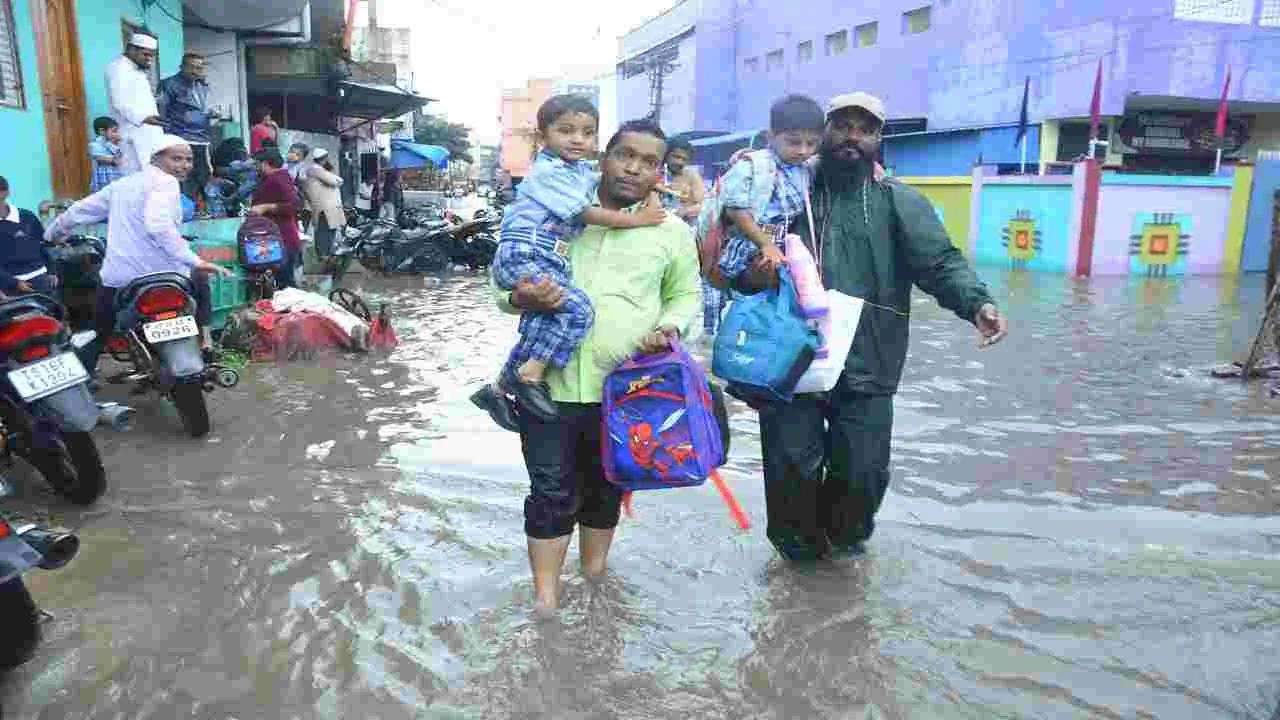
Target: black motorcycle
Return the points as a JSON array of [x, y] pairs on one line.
[[77, 263], [46, 410], [157, 335], [24, 546]]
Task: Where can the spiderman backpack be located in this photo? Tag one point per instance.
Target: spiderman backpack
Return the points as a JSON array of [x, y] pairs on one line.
[[660, 427]]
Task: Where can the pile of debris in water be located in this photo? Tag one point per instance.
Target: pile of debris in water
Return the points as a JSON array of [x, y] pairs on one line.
[[295, 324], [1267, 369]]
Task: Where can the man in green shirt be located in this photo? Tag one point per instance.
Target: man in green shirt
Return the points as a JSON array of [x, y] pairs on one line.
[[826, 456], [644, 285]]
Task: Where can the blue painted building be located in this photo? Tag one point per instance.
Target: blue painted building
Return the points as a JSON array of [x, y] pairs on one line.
[[958, 68], [53, 94]]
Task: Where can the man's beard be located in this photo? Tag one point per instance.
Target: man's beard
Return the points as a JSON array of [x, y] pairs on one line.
[[855, 163]]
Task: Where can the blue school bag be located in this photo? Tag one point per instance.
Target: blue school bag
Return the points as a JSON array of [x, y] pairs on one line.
[[764, 345], [660, 427]]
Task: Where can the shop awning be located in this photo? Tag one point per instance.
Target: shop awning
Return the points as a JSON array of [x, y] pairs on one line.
[[373, 102], [406, 155]]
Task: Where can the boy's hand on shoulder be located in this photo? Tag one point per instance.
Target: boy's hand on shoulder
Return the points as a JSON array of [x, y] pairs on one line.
[[652, 213]]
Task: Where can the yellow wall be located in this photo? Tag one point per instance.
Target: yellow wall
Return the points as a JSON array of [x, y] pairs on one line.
[[951, 196], [1241, 189], [1048, 142]]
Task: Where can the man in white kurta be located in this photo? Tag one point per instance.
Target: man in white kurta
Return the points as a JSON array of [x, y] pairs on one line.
[[133, 102]]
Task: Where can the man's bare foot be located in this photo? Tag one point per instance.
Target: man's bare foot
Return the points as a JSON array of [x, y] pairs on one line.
[[546, 608]]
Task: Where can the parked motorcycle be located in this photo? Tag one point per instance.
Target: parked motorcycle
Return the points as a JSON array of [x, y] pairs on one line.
[[24, 546], [77, 263], [46, 410], [156, 334]]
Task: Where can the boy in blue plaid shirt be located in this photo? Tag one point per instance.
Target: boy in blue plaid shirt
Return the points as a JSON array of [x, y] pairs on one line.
[[106, 153], [553, 205], [796, 124]]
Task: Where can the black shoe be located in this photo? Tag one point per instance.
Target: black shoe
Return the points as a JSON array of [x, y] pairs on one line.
[[534, 398], [499, 407]]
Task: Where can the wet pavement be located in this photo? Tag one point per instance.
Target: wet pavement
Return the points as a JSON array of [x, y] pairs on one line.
[[1081, 525]]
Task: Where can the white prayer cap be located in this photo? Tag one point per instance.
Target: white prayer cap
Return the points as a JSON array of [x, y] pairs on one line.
[[319, 154], [146, 42], [164, 142]]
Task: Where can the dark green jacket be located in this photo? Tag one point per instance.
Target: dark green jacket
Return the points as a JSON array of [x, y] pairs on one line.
[[904, 245]]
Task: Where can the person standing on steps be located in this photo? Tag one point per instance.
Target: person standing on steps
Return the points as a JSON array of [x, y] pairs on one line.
[[133, 102]]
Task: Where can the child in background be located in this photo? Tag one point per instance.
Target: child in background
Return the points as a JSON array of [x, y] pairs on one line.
[[769, 187], [106, 153], [553, 205]]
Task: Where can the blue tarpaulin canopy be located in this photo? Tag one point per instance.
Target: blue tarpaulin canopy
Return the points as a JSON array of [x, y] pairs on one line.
[[406, 155]]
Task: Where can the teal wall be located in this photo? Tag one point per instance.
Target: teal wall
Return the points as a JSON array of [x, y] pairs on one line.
[[100, 41], [24, 158], [1047, 206]]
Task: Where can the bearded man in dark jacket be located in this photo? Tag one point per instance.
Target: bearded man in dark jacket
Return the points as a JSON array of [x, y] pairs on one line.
[[826, 455]]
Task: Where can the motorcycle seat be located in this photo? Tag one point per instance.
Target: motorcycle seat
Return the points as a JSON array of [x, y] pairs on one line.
[[126, 295]]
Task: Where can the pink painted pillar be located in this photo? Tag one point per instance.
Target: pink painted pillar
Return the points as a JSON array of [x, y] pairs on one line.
[[1088, 217]]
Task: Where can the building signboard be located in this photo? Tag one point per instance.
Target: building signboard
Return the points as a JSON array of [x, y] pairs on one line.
[[1179, 133]]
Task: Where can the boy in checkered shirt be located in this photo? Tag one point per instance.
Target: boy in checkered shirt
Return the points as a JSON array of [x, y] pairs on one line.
[[106, 153], [553, 205], [796, 124]]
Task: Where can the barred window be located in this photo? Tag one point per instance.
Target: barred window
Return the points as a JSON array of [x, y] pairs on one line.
[[1234, 12], [10, 69], [837, 43], [804, 51], [916, 21], [1270, 13], [773, 60], [867, 35]]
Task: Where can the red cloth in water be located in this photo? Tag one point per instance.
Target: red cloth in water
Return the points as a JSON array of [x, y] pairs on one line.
[[286, 336]]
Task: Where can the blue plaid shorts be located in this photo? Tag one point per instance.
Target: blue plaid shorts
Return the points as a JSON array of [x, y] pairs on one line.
[[551, 337]]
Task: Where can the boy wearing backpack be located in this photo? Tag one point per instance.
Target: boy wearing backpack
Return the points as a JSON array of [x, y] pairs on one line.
[[766, 189]]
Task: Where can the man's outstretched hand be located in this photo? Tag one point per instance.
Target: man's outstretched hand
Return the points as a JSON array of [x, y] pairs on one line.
[[991, 325]]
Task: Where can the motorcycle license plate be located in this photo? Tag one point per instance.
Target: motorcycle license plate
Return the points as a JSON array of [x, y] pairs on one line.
[[44, 378], [166, 330]]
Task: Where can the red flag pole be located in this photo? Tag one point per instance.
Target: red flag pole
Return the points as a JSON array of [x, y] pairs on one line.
[[1095, 110], [1092, 184], [1220, 127]]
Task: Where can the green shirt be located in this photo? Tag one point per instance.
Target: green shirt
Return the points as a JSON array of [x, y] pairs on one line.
[[638, 279]]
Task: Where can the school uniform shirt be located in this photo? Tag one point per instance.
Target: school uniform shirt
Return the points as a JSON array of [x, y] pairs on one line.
[[143, 213], [22, 253]]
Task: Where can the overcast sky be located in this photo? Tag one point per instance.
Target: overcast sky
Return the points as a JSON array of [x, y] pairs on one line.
[[466, 51]]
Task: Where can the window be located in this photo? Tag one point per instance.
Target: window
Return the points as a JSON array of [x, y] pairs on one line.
[[752, 64], [804, 51], [916, 21], [1270, 13], [773, 61], [10, 70], [867, 35], [128, 30], [1233, 12], [837, 43]]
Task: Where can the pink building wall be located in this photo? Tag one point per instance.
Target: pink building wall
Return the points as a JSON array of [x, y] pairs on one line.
[[518, 115]]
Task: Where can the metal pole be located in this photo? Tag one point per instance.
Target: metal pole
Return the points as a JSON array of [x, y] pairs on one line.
[[1217, 161], [1023, 171]]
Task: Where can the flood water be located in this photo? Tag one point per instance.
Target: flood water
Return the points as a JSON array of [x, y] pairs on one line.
[[1081, 525]]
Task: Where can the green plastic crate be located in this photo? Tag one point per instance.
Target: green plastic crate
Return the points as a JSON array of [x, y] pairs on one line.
[[216, 242]]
